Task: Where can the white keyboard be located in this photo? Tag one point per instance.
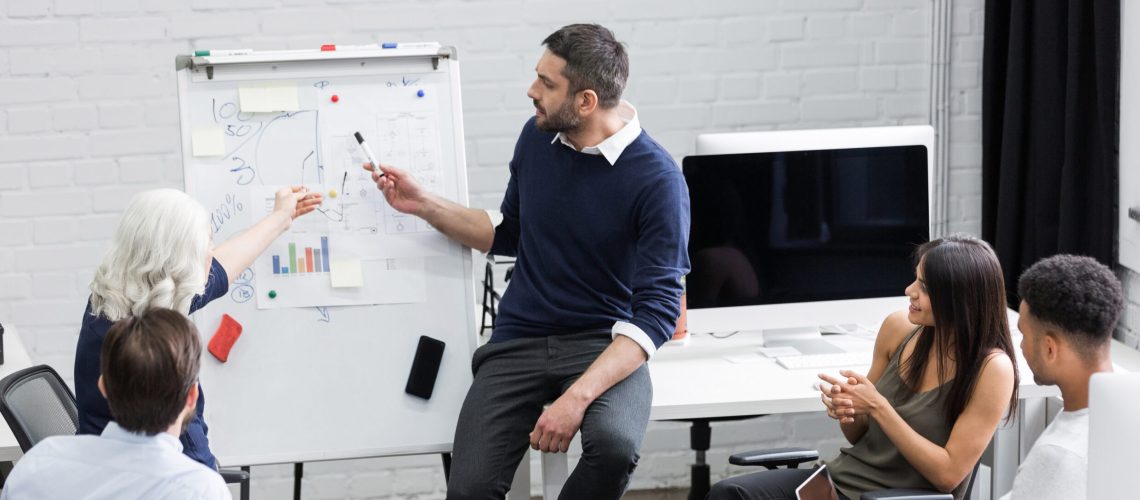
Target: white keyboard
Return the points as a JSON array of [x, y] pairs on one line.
[[839, 359], [855, 329]]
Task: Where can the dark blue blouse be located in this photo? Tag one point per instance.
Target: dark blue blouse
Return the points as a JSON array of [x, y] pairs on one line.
[[93, 410]]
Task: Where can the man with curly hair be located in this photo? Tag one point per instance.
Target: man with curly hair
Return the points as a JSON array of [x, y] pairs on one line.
[[1069, 308]]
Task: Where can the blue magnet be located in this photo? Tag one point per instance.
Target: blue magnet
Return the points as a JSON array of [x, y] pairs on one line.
[[420, 93]]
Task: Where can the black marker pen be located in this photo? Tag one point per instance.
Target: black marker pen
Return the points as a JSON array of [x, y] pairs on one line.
[[368, 151]]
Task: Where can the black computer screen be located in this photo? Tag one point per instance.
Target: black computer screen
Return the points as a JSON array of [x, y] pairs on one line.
[[804, 226]]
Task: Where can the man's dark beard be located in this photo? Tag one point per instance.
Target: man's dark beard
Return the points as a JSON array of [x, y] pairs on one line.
[[564, 119]]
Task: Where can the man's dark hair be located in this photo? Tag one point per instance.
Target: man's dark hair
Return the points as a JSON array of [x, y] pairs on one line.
[[1077, 295], [595, 60], [149, 364]]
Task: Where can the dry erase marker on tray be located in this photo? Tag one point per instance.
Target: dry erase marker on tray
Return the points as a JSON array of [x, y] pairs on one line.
[[368, 151], [413, 45], [217, 53], [333, 47]]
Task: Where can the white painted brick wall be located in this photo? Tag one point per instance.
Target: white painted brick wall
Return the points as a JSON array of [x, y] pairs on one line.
[[1128, 330], [88, 116]]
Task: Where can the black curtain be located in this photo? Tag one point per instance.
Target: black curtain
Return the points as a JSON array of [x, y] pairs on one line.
[[1049, 130]]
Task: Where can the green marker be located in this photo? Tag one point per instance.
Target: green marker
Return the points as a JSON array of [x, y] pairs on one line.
[[236, 52]]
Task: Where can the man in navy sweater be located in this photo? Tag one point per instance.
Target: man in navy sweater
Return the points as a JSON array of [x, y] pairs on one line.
[[597, 214]]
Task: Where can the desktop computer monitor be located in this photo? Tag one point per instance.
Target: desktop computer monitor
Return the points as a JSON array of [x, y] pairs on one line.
[[1113, 436], [806, 216]]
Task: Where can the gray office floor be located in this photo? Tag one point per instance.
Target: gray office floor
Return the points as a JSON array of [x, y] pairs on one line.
[[663, 494]]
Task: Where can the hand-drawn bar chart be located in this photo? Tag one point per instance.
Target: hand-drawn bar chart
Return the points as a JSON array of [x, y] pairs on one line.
[[303, 260]]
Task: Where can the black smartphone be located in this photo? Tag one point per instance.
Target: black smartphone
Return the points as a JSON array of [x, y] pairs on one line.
[[425, 367]]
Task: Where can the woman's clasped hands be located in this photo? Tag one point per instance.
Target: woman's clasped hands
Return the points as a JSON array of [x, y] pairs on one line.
[[851, 396]]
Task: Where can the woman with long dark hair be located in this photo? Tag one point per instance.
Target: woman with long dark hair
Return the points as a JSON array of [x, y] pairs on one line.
[[942, 377]]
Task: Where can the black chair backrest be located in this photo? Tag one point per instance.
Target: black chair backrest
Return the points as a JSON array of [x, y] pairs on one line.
[[37, 404], [970, 481]]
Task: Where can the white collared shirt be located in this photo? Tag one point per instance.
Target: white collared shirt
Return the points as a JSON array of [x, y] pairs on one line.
[[612, 146], [117, 465]]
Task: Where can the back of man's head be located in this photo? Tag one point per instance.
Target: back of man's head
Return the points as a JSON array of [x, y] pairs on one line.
[[594, 60], [150, 362], [1078, 296]]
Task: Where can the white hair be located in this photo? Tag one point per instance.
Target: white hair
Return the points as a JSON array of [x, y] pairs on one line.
[[157, 258]]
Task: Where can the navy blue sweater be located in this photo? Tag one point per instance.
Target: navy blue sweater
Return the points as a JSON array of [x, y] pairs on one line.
[[95, 412], [596, 243]]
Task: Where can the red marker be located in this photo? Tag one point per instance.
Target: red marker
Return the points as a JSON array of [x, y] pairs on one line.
[[328, 47], [335, 98]]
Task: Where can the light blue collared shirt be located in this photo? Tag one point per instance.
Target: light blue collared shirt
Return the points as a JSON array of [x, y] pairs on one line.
[[114, 465]]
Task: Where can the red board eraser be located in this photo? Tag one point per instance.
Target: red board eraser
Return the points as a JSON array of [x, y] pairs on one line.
[[224, 338]]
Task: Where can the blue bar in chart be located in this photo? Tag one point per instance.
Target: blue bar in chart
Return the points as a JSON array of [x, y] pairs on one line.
[[325, 252]]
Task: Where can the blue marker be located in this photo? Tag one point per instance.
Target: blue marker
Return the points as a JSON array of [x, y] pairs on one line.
[[412, 45]]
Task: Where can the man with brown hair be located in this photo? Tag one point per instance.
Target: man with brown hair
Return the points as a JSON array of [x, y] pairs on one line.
[[597, 214], [150, 374]]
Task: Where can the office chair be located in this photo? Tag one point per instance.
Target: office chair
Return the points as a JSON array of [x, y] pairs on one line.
[[491, 297], [37, 404], [793, 457]]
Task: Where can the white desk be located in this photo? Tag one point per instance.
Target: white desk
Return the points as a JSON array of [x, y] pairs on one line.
[[15, 359], [694, 381]]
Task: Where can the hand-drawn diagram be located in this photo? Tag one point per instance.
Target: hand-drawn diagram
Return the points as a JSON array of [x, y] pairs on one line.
[[410, 140], [298, 268], [313, 147]]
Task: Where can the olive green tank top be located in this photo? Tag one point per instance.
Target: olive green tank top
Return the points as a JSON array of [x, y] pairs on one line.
[[874, 463]]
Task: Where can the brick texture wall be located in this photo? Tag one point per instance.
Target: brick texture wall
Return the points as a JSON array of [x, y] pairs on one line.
[[1128, 330], [88, 116]]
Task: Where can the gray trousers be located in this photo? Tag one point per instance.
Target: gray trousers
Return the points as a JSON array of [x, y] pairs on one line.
[[513, 381]]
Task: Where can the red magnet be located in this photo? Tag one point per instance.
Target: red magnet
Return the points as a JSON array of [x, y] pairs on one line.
[[335, 98]]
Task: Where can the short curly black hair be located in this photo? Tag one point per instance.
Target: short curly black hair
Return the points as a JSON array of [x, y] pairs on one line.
[[1076, 294]]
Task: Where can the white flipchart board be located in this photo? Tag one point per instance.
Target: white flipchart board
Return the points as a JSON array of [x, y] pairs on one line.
[[321, 383]]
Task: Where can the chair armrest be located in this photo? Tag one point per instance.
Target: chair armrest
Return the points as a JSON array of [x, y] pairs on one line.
[[233, 476], [775, 457], [905, 494]]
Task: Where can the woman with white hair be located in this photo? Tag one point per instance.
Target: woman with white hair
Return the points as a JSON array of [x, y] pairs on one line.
[[161, 256]]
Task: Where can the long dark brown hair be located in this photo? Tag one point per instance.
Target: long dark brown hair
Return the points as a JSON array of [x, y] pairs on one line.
[[967, 297]]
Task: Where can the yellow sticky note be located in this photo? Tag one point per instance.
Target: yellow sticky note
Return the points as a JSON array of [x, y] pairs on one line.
[[346, 273], [267, 98], [208, 141]]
